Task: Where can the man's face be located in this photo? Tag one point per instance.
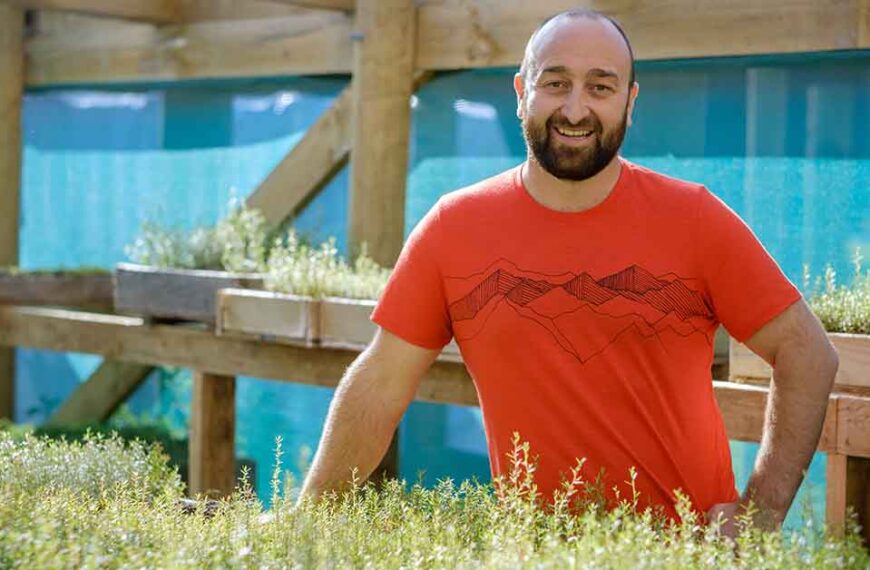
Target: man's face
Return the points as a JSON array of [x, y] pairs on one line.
[[575, 103]]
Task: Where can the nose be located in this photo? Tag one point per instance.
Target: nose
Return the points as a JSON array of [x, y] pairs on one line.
[[574, 109]]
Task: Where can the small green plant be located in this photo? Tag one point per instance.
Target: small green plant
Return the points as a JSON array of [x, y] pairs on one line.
[[295, 267], [237, 243], [841, 308], [62, 506]]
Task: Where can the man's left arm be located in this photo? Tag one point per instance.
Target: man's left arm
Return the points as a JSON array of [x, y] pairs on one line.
[[804, 366]]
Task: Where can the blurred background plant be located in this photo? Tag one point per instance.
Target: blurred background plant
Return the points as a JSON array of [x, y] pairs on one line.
[[843, 308]]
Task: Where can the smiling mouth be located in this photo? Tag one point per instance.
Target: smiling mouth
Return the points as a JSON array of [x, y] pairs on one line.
[[573, 133]]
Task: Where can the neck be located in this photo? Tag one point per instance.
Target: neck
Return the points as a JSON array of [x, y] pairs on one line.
[[568, 195]]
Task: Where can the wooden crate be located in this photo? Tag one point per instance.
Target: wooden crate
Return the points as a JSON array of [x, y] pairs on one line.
[[83, 290], [853, 375], [331, 322], [175, 294], [268, 316]]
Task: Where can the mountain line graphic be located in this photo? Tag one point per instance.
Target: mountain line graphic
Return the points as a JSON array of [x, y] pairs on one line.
[[584, 314]]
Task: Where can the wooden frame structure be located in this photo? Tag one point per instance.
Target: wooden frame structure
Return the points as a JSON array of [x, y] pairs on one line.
[[388, 46]]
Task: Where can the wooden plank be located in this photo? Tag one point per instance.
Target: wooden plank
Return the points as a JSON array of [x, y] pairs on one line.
[[852, 376], [322, 153], [68, 290], [11, 91], [131, 339], [483, 33], [315, 43], [268, 316], [858, 493], [100, 395], [184, 294], [157, 11], [346, 5], [853, 429], [453, 35], [835, 492], [382, 86], [212, 435]]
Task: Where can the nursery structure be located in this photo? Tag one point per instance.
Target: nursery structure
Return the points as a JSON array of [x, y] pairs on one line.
[[390, 47]]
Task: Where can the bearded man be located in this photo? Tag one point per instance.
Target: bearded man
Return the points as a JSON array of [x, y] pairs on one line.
[[584, 292]]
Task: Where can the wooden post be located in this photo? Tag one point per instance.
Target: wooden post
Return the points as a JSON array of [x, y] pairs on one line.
[[383, 79], [848, 487], [212, 435], [11, 92]]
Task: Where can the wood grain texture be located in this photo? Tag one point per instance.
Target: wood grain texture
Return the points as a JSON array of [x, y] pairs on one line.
[[383, 74], [212, 435], [100, 395], [268, 316], [11, 93], [61, 290], [157, 11], [457, 34], [346, 5], [853, 375], [184, 294]]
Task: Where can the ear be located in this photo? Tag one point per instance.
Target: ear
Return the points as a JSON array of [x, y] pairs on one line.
[[632, 96], [520, 88]]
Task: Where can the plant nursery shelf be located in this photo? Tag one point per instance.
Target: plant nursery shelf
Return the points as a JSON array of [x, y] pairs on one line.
[[174, 294], [65, 289]]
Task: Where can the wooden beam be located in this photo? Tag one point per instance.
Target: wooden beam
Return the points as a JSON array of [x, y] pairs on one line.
[[100, 395], [105, 52], [452, 35], [131, 339], [346, 5], [382, 86], [312, 162], [156, 11], [310, 165], [11, 91], [212, 456]]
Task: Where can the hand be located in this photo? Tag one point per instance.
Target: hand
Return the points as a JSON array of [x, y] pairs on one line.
[[726, 514]]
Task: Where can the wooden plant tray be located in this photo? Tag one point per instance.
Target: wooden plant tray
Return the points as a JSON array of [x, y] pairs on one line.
[[81, 290], [853, 375], [278, 317], [175, 294]]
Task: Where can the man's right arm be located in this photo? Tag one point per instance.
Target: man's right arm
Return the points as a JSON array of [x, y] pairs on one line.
[[365, 410]]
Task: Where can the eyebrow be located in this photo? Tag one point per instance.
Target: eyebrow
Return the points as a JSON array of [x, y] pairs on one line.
[[596, 72]]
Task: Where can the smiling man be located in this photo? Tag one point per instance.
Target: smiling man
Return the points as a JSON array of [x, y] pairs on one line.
[[584, 292]]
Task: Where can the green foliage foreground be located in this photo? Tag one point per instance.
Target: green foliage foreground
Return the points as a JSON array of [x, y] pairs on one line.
[[101, 503]]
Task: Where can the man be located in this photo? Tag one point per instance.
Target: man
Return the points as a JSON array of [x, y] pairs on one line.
[[584, 292]]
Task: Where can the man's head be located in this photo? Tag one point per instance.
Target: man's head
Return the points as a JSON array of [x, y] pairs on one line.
[[575, 93]]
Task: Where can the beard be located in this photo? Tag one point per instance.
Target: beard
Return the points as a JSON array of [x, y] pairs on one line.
[[569, 163]]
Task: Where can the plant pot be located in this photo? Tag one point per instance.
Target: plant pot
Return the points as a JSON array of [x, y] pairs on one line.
[[853, 375], [65, 289], [175, 294], [268, 316]]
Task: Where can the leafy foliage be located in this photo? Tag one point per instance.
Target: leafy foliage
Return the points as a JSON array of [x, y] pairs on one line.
[[61, 505], [842, 308]]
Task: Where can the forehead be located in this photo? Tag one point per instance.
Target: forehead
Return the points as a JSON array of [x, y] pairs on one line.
[[580, 44]]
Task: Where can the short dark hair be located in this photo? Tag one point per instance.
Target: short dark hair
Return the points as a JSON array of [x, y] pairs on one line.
[[576, 13]]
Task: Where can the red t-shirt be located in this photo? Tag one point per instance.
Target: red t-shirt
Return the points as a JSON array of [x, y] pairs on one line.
[[591, 333]]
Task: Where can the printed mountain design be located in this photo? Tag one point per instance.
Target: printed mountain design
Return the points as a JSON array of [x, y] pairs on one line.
[[582, 313]]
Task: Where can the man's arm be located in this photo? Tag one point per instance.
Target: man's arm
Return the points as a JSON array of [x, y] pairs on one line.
[[804, 366], [365, 410]]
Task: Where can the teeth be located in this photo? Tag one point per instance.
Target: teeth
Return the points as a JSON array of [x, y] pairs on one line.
[[572, 132]]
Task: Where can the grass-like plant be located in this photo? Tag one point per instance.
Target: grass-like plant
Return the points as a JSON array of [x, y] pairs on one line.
[[841, 308], [299, 268], [237, 243], [84, 270], [61, 507]]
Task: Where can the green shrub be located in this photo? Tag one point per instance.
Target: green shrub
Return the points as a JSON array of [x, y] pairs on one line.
[[841, 308], [298, 268], [465, 526]]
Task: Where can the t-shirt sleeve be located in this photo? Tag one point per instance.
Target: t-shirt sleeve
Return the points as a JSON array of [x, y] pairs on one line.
[[413, 305], [745, 285]]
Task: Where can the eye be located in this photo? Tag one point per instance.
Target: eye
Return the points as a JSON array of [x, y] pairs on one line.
[[601, 88], [556, 84]]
